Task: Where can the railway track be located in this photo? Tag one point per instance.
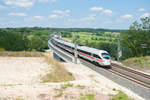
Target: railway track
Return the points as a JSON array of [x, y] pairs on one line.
[[130, 74], [127, 73]]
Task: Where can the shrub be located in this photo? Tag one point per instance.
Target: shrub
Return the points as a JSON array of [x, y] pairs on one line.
[[121, 96], [87, 97]]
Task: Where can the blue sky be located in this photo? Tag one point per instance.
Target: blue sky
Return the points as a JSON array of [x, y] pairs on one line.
[[112, 14]]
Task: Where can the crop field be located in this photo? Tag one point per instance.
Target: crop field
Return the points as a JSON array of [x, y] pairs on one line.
[[87, 37]]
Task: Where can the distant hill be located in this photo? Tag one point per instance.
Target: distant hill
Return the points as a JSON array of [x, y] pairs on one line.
[[33, 29]]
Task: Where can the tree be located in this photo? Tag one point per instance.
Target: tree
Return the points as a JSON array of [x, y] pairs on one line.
[[135, 37], [11, 41], [66, 34], [35, 43]]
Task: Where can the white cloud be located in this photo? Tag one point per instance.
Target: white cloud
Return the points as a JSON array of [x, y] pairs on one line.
[[24, 3], [53, 16], [127, 16], [108, 12], [141, 9], [58, 11], [17, 14], [38, 17], [19, 3], [145, 15], [2, 7], [96, 9], [47, 0], [61, 12], [100, 9]]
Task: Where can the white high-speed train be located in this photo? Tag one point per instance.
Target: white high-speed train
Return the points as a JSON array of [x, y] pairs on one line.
[[100, 57]]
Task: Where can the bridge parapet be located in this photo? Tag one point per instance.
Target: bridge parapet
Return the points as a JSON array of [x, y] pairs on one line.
[[62, 54]]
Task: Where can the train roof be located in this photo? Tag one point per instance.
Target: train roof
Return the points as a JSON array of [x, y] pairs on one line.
[[64, 42], [92, 50], [84, 48]]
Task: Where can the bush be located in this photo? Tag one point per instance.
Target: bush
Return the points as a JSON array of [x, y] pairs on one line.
[[121, 96], [2, 49]]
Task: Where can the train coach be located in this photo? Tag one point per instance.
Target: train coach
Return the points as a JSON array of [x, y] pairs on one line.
[[100, 57]]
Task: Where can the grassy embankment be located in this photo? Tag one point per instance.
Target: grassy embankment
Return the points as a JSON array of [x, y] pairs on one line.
[[138, 62], [59, 73]]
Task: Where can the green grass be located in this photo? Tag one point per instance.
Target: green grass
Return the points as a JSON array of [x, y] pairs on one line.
[[121, 96], [81, 86], [114, 89], [59, 94], [2, 49], [70, 73], [7, 85], [59, 74], [87, 97], [138, 61], [66, 85], [19, 98], [87, 36]]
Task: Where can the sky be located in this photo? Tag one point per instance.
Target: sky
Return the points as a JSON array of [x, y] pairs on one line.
[[110, 14]]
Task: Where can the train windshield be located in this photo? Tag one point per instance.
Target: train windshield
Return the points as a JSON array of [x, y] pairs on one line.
[[105, 55]]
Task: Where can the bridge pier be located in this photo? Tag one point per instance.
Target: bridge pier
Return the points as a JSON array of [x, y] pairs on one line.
[[55, 56]]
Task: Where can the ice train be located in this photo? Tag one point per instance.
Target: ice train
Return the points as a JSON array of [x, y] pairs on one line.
[[96, 56]]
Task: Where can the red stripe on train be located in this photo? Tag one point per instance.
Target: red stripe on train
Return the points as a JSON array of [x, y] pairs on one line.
[[99, 60], [82, 54], [86, 55], [90, 57]]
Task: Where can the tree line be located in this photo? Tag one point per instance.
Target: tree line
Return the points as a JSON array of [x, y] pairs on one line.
[[13, 41], [135, 42], [34, 38]]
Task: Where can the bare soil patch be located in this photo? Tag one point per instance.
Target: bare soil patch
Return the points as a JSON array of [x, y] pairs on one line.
[[21, 70]]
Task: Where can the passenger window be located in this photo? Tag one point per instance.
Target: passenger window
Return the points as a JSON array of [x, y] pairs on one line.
[[96, 56]]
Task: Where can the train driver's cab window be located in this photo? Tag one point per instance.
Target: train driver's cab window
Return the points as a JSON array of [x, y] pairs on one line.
[[96, 56], [105, 55]]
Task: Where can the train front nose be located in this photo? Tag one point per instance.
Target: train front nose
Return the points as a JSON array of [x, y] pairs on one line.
[[107, 62]]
